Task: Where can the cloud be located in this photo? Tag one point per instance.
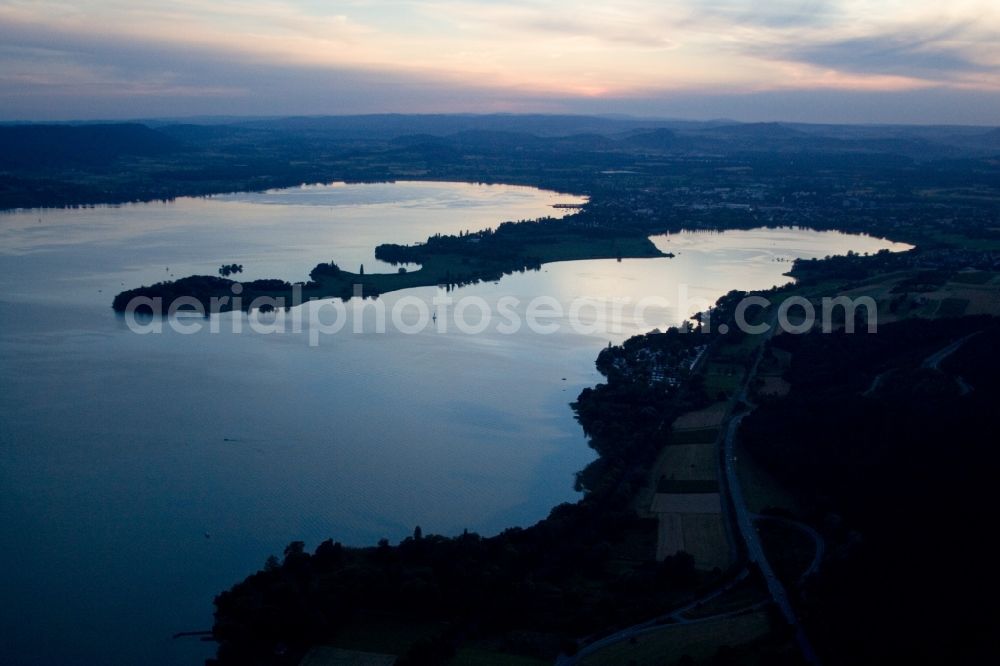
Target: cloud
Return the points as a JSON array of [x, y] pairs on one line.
[[639, 35], [924, 106], [116, 77], [627, 23], [773, 14], [116, 57], [938, 56]]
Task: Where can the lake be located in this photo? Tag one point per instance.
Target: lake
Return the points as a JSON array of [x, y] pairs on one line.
[[142, 474]]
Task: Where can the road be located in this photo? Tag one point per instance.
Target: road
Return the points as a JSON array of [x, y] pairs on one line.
[[876, 383], [673, 618], [745, 519], [819, 543], [755, 550], [932, 362]]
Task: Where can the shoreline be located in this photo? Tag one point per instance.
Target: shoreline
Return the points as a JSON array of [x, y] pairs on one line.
[[475, 258]]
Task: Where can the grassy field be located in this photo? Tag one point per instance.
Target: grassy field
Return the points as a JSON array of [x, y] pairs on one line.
[[967, 298], [693, 436], [973, 277], [439, 269], [668, 646], [468, 656], [952, 307], [748, 592], [736, 352], [710, 417], [568, 247], [958, 240], [705, 540], [723, 378], [448, 268], [772, 386], [788, 549], [387, 637], [328, 656], [760, 490], [774, 363], [690, 461], [964, 293]]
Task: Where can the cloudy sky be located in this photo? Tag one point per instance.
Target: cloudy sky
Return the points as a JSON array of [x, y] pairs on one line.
[[808, 60]]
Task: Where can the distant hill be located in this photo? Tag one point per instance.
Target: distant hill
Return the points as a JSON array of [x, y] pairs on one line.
[[391, 126], [657, 139], [601, 133], [45, 146], [755, 131], [987, 142], [60, 164], [495, 139], [720, 139], [826, 139]]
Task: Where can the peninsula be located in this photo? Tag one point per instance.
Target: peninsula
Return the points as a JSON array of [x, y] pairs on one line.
[[447, 260]]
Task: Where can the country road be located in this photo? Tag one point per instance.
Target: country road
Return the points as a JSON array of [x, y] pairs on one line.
[[933, 361], [819, 543], [755, 550], [665, 621], [745, 519]]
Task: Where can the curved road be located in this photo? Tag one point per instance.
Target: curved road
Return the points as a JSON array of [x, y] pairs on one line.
[[934, 360], [744, 518], [818, 541], [673, 618]]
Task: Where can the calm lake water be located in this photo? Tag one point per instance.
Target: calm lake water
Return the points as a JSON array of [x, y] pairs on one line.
[[142, 474]]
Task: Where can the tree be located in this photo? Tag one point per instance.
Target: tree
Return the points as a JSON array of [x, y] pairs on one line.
[[294, 549]]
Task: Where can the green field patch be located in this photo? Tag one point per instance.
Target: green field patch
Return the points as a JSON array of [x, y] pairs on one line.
[[723, 378], [572, 247], [468, 656], [694, 436], [709, 417], [385, 637], [952, 307], [973, 277], [690, 461], [674, 643], [749, 591], [789, 550], [687, 486]]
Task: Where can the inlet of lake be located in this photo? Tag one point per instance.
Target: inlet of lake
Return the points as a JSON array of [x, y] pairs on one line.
[[142, 474]]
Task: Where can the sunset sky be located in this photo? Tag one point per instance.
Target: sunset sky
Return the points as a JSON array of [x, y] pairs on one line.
[[802, 60]]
